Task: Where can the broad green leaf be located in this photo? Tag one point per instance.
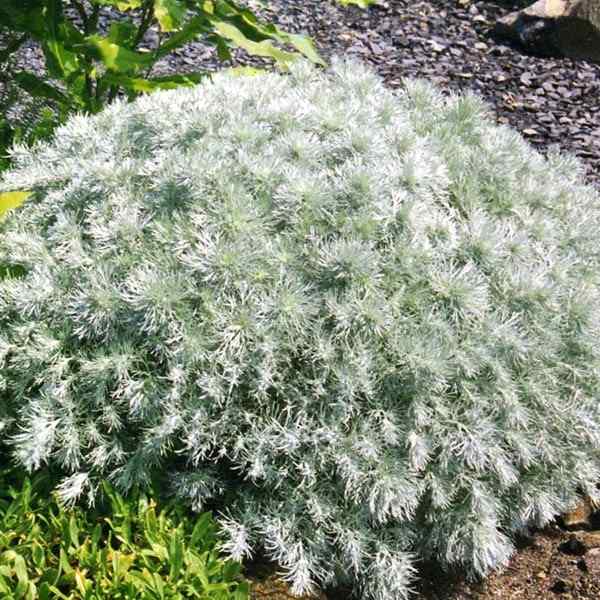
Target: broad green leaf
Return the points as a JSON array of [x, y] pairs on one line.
[[159, 584], [44, 591], [51, 575], [23, 16], [122, 33], [200, 572], [38, 87], [10, 200], [114, 57], [304, 45], [254, 29], [265, 48], [231, 570], [73, 531], [217, 587], [169, 14], [82, 583], [144, 578], [20, 590], [223, 51], [120, 4], [38, 555], [175, 554], [21, 570], [69, 34], [64, 562], [96, 534], [56, 593], [160, 551], [203, 532], [31, 593], [4, 589], [140, 85], [190, 31], [242, 592], [60, 61]]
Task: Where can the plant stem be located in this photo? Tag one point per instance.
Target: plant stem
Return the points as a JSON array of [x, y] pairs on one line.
[[155, 54], [147, 16], [146, 21], [94, 18], [90, 25], [112, 94], [82, 14]]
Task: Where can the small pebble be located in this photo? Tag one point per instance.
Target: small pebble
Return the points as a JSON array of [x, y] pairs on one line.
[[560, 586]]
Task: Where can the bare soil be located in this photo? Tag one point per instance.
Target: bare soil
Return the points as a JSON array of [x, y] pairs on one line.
[[551, 565]]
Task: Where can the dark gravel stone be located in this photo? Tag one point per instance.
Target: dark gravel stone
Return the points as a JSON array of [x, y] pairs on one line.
[[573, 546], [560, 586]]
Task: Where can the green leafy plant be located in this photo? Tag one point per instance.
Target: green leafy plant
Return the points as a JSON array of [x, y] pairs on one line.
[[23, 118], [124, 548], [85, 68], [363, 322], [11, 200], [91, 69]]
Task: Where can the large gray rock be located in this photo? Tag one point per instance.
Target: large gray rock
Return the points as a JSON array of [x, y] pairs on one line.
[[556, 28]]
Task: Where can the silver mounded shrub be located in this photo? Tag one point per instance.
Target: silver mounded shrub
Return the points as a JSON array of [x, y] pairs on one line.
[[365, 324]]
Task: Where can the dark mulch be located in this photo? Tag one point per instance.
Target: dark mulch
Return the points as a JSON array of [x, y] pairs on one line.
[[551, 101]]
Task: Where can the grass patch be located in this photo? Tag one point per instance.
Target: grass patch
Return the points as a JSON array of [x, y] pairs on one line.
[[122, 548]]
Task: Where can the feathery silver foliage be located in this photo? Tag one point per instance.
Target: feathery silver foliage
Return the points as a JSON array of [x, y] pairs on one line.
[[369, 320]]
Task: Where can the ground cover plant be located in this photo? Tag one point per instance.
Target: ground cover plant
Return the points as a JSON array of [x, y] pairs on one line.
[[124, 548], [362, 323]]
